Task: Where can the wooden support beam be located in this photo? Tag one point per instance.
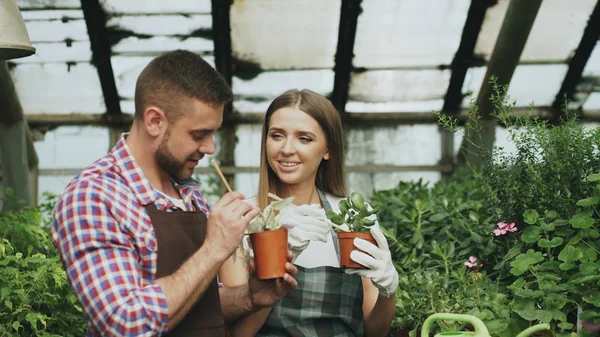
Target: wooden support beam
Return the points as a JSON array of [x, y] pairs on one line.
[[590, 37], [507, 51], [345, 52], [464, 58], [95, 20], [223, 62]]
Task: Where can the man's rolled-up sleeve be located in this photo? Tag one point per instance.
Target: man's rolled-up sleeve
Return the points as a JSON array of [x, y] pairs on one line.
[[102, 266]]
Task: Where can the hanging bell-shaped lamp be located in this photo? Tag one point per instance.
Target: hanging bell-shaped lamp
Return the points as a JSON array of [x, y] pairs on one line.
[[14, 39]]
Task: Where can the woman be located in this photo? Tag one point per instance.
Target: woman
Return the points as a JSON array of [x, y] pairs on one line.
[[302, 156]]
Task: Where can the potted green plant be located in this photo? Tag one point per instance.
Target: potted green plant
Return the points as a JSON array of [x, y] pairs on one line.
[[358, 217], [269, 240]]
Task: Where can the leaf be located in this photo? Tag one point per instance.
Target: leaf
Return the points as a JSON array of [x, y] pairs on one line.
[[588, 201], [559, 222], [438, 217], [545, 243], [582, 220], [531, 234], [594, 177], [566, 266], [334, 217], [526, 310], [548, 227], [589, 268], [565, 325], [570, 254], [529, 293], [514, 251], [523, 261], [544, 316], [551, 214], [531, 216], [589, 255], [32, 318]]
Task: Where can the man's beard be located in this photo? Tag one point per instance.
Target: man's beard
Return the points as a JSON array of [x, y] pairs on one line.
[[168, 163]]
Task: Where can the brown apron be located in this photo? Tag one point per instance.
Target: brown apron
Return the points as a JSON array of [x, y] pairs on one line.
[[179, 235]]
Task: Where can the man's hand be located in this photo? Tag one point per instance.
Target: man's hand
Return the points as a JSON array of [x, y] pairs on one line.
[[265, 293], [227, 221], [378, 259], [304, 223]]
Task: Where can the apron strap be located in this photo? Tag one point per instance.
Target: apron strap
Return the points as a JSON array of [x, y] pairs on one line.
[[327, 207]]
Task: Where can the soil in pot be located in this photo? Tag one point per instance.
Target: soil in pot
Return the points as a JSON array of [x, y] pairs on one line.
[[270, 253], [346, 243]]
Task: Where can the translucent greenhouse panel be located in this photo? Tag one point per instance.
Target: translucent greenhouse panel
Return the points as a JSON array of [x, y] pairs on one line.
[[555, 34], [59, 36], [247, 148], [156, 6], [592, 103], [54, 184], [46, 4], [247, 183], [247, 154], [400, 145], [367, 183], [291, 34], [126, 70], [58, 88], [168, 25], [537, 83], [399, 85], [155, 34], [56, 150], [416, 106], [268, 85], [392, 33], [592, 67]]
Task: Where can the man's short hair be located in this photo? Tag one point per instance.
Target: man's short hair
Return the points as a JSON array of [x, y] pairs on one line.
[[175, 75]]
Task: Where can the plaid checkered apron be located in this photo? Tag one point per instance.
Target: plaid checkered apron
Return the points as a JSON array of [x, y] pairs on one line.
[[327, 302]]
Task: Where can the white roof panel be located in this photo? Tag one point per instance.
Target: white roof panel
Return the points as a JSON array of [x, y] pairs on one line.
[[537, 83], [273, 83], [45, 4], [392, 33], [58, 88], [291, 34], [56, 30], [399, 85], [592, 102], [592, 67], [159, 44], [59, 52], [156, 6], [93, 143], [162, 24], [555, 34]]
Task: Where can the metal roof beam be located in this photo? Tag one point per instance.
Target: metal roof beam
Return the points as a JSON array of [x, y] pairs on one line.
[[95, 20], [345, 52], [464, 57], [590, 37]]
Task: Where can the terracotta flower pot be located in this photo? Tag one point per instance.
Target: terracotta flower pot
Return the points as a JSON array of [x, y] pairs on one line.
[[270, 253], [346, 241]]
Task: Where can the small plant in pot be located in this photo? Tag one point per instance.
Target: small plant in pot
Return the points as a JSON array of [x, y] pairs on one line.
[[358, 217], [269, 241]]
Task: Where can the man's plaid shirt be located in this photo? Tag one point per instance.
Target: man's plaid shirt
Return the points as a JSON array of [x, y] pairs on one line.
[[108, 246]]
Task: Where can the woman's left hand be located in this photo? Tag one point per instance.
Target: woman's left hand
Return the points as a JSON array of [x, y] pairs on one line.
[[378, 260]]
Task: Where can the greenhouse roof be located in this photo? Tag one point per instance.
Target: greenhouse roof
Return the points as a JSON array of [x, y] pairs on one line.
[[386, 56]]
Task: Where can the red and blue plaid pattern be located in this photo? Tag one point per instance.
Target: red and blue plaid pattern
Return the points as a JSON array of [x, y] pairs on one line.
[[108, 246]]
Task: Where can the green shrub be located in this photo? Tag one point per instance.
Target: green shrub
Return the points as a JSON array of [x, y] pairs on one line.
[[35, 298]]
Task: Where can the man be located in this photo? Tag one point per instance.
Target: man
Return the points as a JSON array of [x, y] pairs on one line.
[[134, 231]]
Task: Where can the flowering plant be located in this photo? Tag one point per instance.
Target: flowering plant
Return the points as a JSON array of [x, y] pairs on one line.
[[354, 213]]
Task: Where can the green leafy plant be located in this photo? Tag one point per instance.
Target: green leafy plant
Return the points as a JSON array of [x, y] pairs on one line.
[[35, 298], [267, 220], [354, 213]]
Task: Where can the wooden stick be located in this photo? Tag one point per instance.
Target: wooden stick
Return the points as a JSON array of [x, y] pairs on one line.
[[273, 196], [216, 166]]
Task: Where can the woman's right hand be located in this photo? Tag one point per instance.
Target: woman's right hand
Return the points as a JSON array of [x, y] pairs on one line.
[[304, 223]]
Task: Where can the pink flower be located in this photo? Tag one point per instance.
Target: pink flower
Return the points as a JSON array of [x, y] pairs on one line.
[[472, 263], [504, 228]]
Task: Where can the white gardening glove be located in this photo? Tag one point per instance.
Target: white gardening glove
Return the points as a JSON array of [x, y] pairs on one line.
[[381, 269], [304, 223]]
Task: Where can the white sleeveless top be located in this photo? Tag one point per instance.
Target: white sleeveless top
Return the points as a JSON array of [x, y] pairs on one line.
[[318, 253]]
